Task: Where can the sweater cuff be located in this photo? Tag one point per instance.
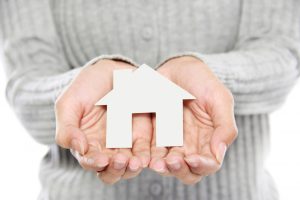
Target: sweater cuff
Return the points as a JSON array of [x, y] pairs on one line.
[[115, 57]]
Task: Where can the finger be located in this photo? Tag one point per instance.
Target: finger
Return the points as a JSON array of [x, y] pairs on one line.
[[159, 166], [191, 132], [224, 122], [133, 169], [134, 163], [142, 132], [178, 167], [201, 165], [95, 161], [158, 154], [115, 169]]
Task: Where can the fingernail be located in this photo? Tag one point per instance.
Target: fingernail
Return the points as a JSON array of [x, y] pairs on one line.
[[134, 167], [102, 164], [174, 165], [221, 152], [119, 165], [159, 166], [193, 162], [90, 161], [75, 153], [76, 145]]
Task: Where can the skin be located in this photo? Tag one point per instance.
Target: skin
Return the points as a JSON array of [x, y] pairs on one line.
[[81, 126], [209, 125]]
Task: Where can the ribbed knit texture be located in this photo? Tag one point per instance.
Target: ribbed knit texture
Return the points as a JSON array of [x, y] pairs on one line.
[[251, 45]]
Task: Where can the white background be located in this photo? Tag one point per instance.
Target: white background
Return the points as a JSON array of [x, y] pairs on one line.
[[20, 154]]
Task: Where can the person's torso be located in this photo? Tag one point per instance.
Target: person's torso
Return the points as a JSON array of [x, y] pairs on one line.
[[146, 31], [149, 31]]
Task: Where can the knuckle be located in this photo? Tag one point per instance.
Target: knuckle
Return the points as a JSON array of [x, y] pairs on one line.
[[104, 179], [234, 132], [59, 103], [83, 165], [109, 181], [86, 162], [229, 95], [216, 169], [127, 176], [59, 138], [141, 146], [142, 124], [199, 171], [213, 166], [64, 135], [192, 180], [82, 162], [75, 154], [213, 169], [115, 173]]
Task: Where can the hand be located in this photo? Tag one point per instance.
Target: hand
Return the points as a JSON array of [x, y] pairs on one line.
[[209, 124], [81, 126]]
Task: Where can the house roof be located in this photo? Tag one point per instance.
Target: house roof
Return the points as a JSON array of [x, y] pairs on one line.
[[144, 81]]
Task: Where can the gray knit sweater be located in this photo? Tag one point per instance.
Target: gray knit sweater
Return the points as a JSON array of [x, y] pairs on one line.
[[251, 45]]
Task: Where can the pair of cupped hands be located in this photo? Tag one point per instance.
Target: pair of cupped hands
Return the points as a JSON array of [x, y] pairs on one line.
[[209, 125]]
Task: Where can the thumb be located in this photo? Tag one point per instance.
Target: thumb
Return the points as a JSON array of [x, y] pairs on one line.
[[225, 127], [142, 134], [221, 139], [71, 137], [68, 134]]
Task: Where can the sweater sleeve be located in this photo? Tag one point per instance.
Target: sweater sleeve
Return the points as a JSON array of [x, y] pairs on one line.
[[35, 65], [264, 64]]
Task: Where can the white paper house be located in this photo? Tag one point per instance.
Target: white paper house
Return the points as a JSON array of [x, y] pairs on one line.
[[144, 90]]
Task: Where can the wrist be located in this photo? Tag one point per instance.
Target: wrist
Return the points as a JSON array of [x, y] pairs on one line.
[[179, 65], [112, 64], [107, 66]]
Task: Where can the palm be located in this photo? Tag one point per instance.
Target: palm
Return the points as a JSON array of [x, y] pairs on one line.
[[208, 122], [198, 129], [93, 126], [81, 125]]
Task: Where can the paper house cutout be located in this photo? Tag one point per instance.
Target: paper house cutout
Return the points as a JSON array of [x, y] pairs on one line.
[[144, 90]]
